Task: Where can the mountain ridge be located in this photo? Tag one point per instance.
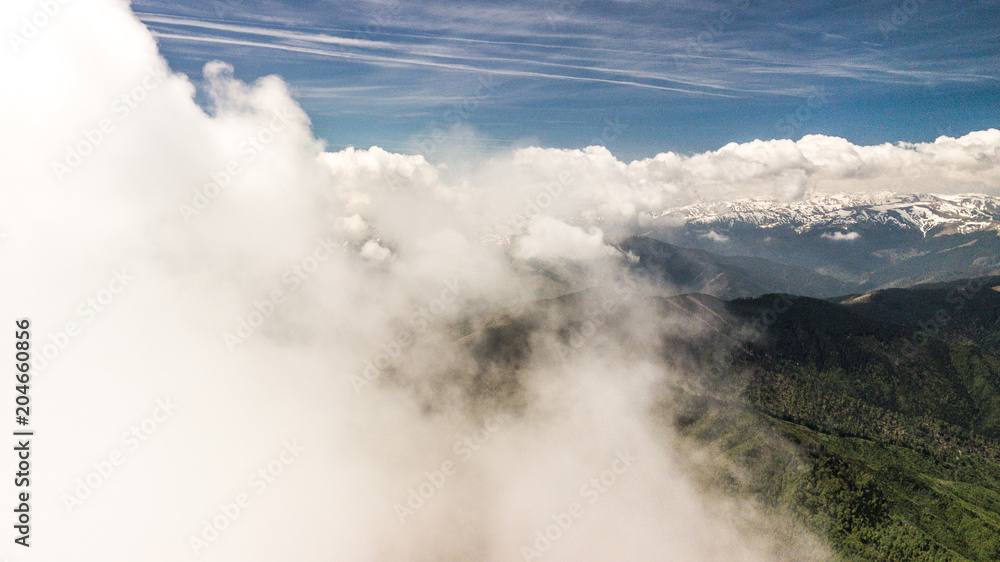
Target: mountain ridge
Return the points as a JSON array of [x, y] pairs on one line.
[[930, 214], [872, 241]]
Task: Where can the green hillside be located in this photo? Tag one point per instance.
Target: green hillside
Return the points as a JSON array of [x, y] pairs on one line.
[[967, 310], [833, 414], [896, 454]]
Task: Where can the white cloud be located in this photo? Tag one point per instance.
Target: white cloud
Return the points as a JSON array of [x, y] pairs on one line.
[[371, 250], [714, 236], [550, 239], [352, 227], [592, 187], [841, 236]]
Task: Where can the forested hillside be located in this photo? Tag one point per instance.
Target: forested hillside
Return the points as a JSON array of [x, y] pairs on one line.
[[896, 445]]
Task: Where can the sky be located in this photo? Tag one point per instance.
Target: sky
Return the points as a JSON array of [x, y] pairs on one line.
[[637, 77]]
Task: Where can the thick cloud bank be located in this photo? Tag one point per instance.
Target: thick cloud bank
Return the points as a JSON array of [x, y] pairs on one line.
[[247, 348]]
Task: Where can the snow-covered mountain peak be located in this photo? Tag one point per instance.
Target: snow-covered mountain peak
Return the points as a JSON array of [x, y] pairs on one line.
[[929, 214]]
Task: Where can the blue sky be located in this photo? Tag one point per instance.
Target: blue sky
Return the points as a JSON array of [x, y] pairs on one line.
[[638, 77]]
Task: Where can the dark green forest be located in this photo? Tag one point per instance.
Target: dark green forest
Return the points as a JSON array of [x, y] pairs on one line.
[[840, 414]]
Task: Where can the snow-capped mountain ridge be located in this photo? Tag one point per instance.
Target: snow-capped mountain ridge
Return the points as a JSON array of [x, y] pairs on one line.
[[930, 214]]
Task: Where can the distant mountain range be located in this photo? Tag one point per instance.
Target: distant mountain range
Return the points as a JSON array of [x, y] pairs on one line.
[[926, 214], [833, 243], [693, 270]]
